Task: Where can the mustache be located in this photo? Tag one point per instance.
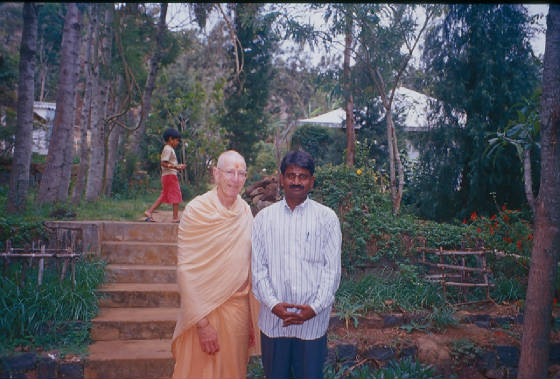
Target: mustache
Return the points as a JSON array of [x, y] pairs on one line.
[[294, 186]]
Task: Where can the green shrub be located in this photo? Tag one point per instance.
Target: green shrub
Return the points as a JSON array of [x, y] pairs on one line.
[[326, 145], [386, 291], [55, 314]]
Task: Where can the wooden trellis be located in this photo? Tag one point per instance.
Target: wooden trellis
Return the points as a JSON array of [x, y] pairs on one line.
[[458, 275], [63, 251]]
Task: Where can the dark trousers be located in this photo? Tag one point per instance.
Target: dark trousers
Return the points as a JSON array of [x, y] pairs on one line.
[[285, 357]]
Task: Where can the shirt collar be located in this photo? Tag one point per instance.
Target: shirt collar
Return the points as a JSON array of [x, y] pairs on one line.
[[303, 205]]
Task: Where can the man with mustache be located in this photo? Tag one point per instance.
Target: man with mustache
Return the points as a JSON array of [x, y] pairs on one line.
[[296, 272]]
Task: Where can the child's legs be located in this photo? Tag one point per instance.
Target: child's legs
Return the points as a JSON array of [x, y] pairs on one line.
[[175, 212], [154, 207]]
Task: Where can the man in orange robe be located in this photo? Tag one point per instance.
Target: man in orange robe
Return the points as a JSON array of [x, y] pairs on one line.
[[217, 322]]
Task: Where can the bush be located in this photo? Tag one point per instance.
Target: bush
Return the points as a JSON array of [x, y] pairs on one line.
[[55, 314], [370, 231], [326, 145], [387, 291]]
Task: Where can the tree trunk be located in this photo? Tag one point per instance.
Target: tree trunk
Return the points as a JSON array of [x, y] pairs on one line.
[[19, 176], [112, 144], [349, 105], [84, 124], [56, 178], [528, 180], [393, 155], [97, 142], [546, 246], [150, 83]]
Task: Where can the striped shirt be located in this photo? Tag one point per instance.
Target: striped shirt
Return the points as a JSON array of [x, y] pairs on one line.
[[296, 259]]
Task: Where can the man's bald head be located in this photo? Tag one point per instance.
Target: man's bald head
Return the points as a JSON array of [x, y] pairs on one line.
[[230, 156]]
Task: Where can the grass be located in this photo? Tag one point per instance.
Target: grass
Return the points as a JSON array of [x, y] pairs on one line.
[[53, 315], [385, 292], [395, 369]]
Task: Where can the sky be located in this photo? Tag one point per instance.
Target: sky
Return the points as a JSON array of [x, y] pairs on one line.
[[179, 17]]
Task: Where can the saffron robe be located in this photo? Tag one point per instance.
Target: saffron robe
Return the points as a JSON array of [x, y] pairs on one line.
[[214, 278]]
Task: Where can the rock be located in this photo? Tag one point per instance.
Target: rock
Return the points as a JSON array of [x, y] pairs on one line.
[[391, 320], [256, 199], [487, 360], [346, 352], [507, 355], [409, 351], [263, 204], [554, 354], [483, 324], [499, 321], [256, 191], [46, 368], [554, 371], [497, 373], [71, 370], [270, 192], [20, 363], [484, 318], [432, 349], [511, 373], [380, 353]]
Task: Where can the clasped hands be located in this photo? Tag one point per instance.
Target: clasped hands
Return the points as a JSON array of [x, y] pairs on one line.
[[293, 318]]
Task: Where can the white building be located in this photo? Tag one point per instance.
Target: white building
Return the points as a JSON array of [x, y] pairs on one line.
[[413, 105], [44, 113]]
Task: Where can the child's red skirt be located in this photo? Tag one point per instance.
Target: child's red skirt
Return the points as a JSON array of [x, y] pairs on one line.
[[170, 191]]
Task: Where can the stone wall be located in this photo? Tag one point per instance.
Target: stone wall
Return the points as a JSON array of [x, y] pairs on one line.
[[41, 366]]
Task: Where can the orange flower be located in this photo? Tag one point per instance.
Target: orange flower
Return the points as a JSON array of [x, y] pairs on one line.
[[493, 217], [464, 221], [495, 224], [554, 301], [491, 231], [506, 218], [519, 245], [473, 216], [478, 230], [530, 237], [503, 207]]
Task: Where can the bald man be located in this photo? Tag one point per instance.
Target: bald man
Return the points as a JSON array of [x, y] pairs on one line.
[[216, 327]]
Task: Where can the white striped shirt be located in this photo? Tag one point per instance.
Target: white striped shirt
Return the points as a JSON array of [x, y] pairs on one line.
[[296, 259]]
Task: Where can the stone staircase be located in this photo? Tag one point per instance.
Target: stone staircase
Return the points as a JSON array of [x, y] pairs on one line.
[[132, 332]]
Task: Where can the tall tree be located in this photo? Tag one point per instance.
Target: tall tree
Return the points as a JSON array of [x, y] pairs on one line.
[[19, 176], [347, 85], [245, 118], [56, 178], [84, 121], [51, 25], [546, 244], [479, 63], [154, 66], [385, 50], [101, 76]]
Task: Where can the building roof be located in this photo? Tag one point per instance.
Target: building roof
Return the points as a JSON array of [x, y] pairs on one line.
[[332, 119], [413, 104]]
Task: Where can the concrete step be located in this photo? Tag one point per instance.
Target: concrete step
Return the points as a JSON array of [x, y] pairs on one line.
[[145, 253], [139, 231], [124, 273], [129, 359], [134, 323], [144, 295]]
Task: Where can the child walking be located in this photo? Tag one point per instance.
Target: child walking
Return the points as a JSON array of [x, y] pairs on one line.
[[170, 192]]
